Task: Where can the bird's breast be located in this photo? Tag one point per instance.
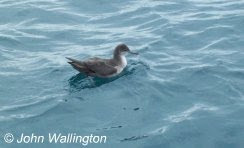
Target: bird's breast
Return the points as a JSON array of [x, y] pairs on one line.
[[122, 65], [123, 61]]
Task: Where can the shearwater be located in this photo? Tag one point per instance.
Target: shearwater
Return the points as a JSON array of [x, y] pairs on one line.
[[104, 68]]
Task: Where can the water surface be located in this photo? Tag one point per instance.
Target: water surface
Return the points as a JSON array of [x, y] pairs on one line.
[[185, 89]]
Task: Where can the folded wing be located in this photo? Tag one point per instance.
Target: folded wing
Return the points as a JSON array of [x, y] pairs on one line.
[[93, 67]]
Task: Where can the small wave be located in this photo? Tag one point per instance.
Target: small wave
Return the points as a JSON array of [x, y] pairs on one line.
[[9, 39], [16, 116], [134, 138], [28, 108], [187, 114], [8, 73], [110, 128], [20, 106], [158, 131]]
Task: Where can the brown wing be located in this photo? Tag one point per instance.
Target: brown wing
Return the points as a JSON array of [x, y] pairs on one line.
[[100, 66]]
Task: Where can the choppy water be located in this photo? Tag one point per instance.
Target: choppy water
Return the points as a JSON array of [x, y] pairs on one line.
[[185, 89]]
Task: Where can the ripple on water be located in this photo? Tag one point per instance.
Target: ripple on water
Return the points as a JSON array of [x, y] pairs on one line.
[[190, 69]]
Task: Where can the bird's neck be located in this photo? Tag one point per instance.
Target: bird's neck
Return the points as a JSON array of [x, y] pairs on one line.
[[120, 59]]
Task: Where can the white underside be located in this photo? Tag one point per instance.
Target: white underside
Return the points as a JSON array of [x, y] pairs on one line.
[[121, 67]]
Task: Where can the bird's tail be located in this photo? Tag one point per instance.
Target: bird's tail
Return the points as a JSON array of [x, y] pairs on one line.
[[73, 60], [78, 65]]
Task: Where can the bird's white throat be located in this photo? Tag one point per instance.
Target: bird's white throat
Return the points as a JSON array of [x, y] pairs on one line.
[[123, 61], [122, 64]]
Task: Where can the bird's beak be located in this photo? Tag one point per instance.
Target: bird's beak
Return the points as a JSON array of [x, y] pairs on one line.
[[136, 53]]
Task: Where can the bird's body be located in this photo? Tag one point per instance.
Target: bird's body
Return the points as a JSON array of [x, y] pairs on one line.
[[104, 68]]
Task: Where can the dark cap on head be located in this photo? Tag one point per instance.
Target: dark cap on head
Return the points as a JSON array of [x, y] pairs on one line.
[[122, 48]]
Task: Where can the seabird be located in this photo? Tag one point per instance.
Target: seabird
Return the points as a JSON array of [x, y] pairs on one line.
[[104, 68]]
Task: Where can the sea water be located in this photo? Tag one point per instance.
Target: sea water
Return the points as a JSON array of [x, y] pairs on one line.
[[184, 90]]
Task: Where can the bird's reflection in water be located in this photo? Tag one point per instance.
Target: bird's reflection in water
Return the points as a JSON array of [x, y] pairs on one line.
[[81, 81]]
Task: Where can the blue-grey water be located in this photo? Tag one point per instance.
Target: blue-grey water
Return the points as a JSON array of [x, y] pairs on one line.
[[184, 90]]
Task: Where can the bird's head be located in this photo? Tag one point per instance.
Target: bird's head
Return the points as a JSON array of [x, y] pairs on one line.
[[122, 49]]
